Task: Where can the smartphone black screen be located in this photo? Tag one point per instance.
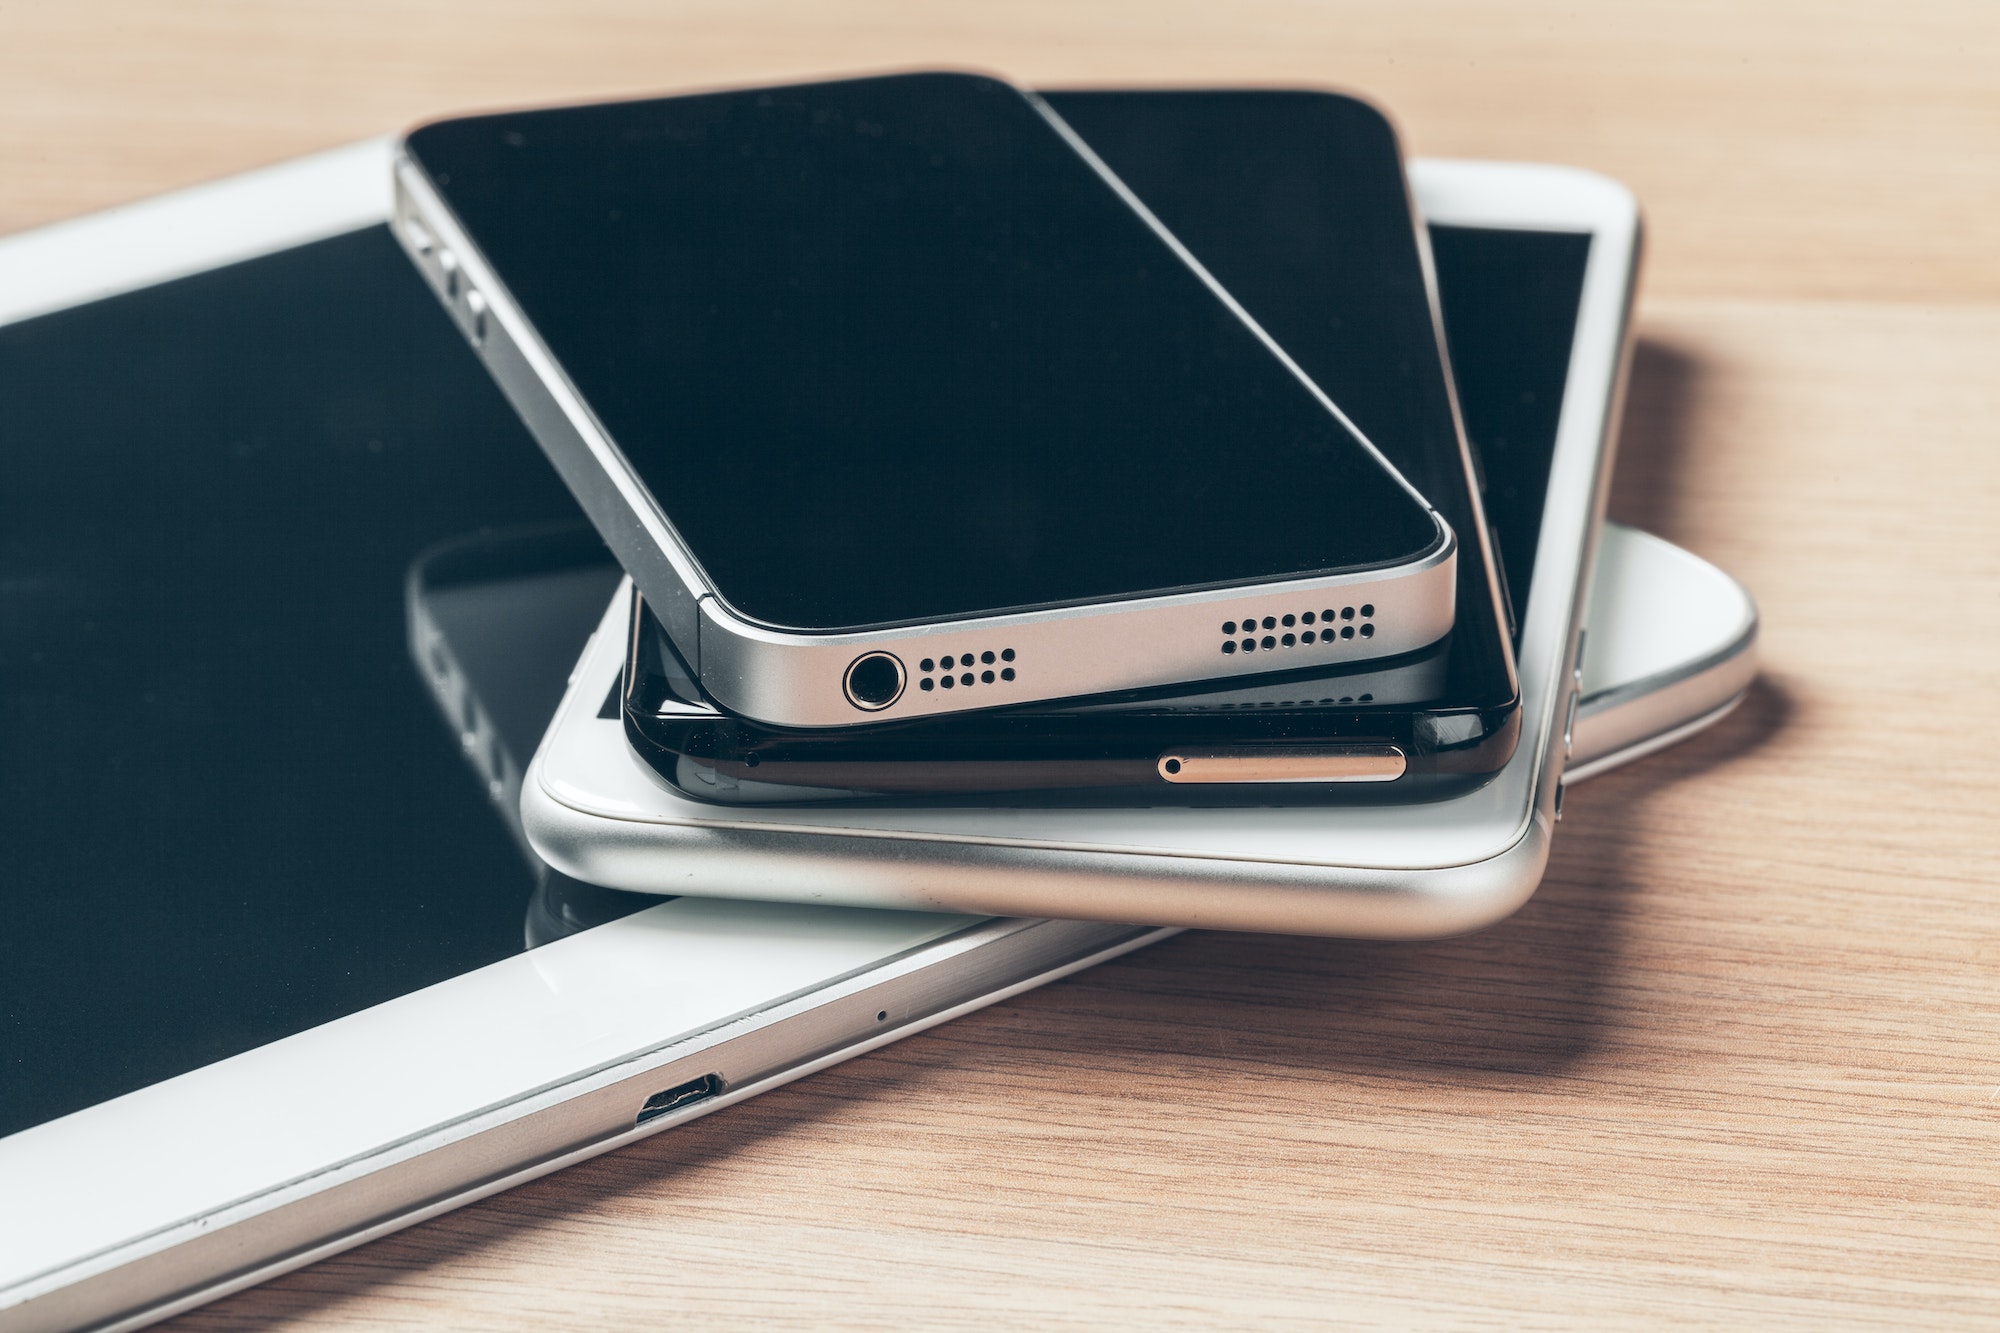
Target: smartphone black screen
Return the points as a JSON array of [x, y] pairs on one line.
[[889, 350]]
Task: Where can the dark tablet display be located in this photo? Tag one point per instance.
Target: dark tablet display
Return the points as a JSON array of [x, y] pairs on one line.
[[228, 806]]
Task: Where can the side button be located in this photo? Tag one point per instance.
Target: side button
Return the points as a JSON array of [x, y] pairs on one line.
[[1569, 723], [475, 324], [418, 236]]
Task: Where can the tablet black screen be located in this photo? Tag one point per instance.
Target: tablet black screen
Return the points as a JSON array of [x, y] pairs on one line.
[[229, 809]]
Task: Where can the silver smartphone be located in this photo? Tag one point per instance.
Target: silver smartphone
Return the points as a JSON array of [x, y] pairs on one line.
[[897, 401], [194, 1102], [1537, 266]]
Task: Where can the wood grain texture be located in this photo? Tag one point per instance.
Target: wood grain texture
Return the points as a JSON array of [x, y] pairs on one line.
[[1847, 149], [1738, 1060]]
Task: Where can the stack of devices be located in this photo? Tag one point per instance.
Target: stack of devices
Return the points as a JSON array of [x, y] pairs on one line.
[[988, 532]]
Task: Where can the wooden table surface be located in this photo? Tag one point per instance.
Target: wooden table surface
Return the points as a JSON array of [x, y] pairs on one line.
[[1739, 1058]]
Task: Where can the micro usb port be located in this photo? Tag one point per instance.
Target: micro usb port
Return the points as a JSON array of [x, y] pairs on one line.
[[681, 1094]]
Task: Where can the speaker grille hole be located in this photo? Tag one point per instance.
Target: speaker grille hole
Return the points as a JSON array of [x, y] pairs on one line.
[[952, 672], [1345, 700], [1340, 623]]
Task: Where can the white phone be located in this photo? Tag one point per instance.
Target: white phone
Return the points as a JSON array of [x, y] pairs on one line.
[[1536, 273]]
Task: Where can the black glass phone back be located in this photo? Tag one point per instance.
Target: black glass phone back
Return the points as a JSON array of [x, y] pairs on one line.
[[888, 350]]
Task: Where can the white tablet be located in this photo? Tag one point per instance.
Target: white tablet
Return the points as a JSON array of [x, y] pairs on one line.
[[1535, 270], [264, 988]]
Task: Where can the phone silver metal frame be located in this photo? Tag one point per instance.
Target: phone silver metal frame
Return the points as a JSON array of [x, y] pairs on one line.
[[789, 677]]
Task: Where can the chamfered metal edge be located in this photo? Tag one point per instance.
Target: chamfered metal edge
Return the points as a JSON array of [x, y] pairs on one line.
[[1069, 652], [541, 394], [286, 1227]]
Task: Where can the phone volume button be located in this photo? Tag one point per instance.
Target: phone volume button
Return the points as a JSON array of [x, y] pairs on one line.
[[475, 316], [418, 236]]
